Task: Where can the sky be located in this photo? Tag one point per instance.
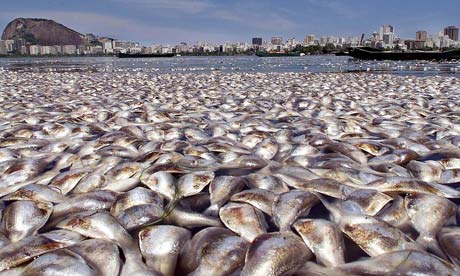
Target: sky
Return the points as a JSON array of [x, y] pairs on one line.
[[173, 21]]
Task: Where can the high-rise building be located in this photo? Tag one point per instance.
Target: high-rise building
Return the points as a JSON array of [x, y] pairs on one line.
[[309, 39], [421, 36], [386, 29], [276, 40], [257, 41], [452, 32], [388, 39]]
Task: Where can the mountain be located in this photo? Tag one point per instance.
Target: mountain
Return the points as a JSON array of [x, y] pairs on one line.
[[42, 32]]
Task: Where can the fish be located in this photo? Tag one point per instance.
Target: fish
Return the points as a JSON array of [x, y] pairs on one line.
[[190, 255], [24, 218], [324, 239], [224, 256], [59, 262], [428, 214], [17, 253], [161, 246], [289, 206], [404, 262], [276, 253], [243, 219], [449, 238], [103, 257]]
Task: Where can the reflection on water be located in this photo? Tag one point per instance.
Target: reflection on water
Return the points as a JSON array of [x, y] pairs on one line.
[[328, 63]]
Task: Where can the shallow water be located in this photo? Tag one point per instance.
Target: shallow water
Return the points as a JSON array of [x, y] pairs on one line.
[[327, 63]]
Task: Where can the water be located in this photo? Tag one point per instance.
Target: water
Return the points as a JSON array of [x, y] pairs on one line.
[[327, 63]]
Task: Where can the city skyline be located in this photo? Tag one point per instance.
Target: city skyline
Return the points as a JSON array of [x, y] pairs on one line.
[[173, 21]]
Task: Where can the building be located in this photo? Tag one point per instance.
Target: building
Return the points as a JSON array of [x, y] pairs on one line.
[[2, 48], [309, 40], [452, 32], [388, 39], [108, 47], [10, 46], [386, 29], [69, 49], [410, 44], [47, 50], [96, 50], [276, 40], [257, 41], [421, 36]]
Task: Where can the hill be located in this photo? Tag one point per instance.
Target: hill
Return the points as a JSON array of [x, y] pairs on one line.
[[43, 32]]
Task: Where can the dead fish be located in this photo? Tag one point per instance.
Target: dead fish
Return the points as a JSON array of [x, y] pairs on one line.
[[101, 225], [412, 185], [138, 216], [134, 197], [398, 157], [371, 234], [161, 182], [92, 201], [26, 249], [221, 190], [222, 257], [243, 165], [90, 182], [275, 254], [266, 182], [404, 262], [59, 262], [395, 214], [124, 176], [289, 206], [425, 171], [324, 186], [366, 202], [449, 240], [259, 198], [195, 163], [193, 183], [38, 193], [161, 245], [190, 256], [189, 219], [24, 218], [324, 239], [428, 214], [449, 159], [266, 149], [66, 181], [374, 236], [243, 219], [102, 256]]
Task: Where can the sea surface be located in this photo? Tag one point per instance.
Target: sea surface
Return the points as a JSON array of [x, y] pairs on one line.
[[325, 63]]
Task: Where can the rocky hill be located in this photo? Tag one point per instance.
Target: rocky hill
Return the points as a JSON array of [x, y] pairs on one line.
[[42, 32]]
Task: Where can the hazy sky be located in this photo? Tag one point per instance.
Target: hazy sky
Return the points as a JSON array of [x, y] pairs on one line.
[[173, 21]]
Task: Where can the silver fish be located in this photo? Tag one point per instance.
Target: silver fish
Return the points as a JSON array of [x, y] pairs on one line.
[[102, 256], [324, 239], [59, 262], [289, 206], [243, 219], [275, 254], [24, 218], [161, 245]]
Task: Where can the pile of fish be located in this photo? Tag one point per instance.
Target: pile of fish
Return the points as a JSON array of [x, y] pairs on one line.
[[116, 173]]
